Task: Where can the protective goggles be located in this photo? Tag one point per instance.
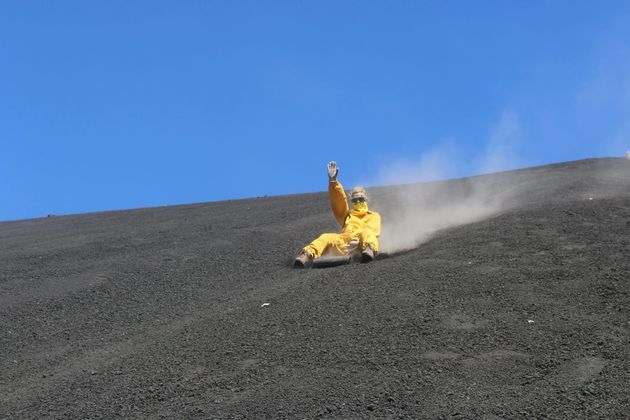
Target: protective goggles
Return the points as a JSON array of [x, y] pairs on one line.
[[358, 200]]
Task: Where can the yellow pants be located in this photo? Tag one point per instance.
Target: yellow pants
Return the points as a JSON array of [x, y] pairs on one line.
[[337, 243]]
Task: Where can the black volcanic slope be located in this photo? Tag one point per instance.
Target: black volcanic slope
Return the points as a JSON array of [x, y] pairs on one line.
[[159, 312]]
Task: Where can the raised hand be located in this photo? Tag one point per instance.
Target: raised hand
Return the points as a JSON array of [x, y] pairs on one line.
[[333, 170]]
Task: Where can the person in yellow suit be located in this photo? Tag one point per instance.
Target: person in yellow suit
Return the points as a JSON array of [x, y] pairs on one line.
[[359, 225]]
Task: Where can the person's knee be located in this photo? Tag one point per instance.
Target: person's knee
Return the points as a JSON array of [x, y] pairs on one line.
[[368, 238]]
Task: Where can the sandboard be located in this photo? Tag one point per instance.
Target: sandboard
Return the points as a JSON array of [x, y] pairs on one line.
[[333, 261]]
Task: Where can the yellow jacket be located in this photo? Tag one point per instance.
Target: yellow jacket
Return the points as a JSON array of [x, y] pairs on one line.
[[353, 222]]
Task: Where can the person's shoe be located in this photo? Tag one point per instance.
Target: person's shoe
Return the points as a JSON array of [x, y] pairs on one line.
[[367, 255], [303, 260]]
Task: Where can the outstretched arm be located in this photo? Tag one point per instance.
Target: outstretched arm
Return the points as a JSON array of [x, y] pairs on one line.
[[336, 194]]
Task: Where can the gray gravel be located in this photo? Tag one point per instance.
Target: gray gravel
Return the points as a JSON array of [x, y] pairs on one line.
[[158, 313]]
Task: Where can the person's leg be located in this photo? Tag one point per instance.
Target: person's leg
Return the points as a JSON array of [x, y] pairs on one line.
[[334, 241], [368, 238], [331, 242]]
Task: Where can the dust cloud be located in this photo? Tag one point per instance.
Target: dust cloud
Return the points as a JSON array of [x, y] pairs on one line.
[[418, 203], [412, 214]]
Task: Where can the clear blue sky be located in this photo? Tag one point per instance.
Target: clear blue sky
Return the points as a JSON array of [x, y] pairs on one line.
[[122, 104]]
